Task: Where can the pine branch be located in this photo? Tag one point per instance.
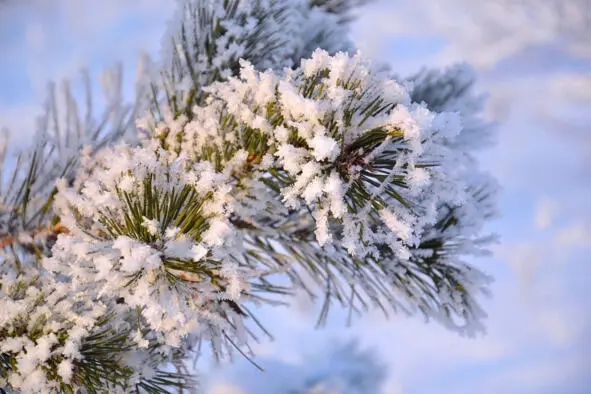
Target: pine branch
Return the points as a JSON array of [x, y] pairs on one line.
[[208, 40], [26, 197], [388, 284], [207, 47], [118, 262], [423, 283], [342, 8]]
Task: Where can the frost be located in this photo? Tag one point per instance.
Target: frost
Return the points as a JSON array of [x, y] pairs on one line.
[[151, 225], [320, 171], [64, 369], [151, 250], [401, 229], [325, 149]]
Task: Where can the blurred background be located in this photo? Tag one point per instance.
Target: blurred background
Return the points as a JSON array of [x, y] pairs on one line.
[[533, 57]]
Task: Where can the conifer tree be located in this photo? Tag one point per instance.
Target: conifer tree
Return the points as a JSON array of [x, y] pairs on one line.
[[259, 157]]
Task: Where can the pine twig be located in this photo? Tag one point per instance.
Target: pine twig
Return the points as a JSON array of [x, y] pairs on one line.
[[7, 240]]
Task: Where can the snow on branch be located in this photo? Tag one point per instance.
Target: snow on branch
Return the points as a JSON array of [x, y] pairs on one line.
[[130, 240]]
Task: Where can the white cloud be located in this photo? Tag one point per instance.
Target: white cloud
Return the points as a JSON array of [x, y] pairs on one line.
[[559, 326], [544, 375], [394, 388], [576, 235], [226, 388], [524, 259], [483, 32], [573, 86], [546, 213]]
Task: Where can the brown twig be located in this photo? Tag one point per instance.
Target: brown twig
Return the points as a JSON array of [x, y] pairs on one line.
[[10, 239]]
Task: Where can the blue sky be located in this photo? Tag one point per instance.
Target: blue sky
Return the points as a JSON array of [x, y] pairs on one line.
[[538, 74]]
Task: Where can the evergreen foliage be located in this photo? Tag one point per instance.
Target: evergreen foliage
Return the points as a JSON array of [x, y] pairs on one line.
[[256, 151]]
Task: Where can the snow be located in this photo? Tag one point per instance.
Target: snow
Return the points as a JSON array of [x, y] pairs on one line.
[[324, 148], [164, 233], [64, 369]]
